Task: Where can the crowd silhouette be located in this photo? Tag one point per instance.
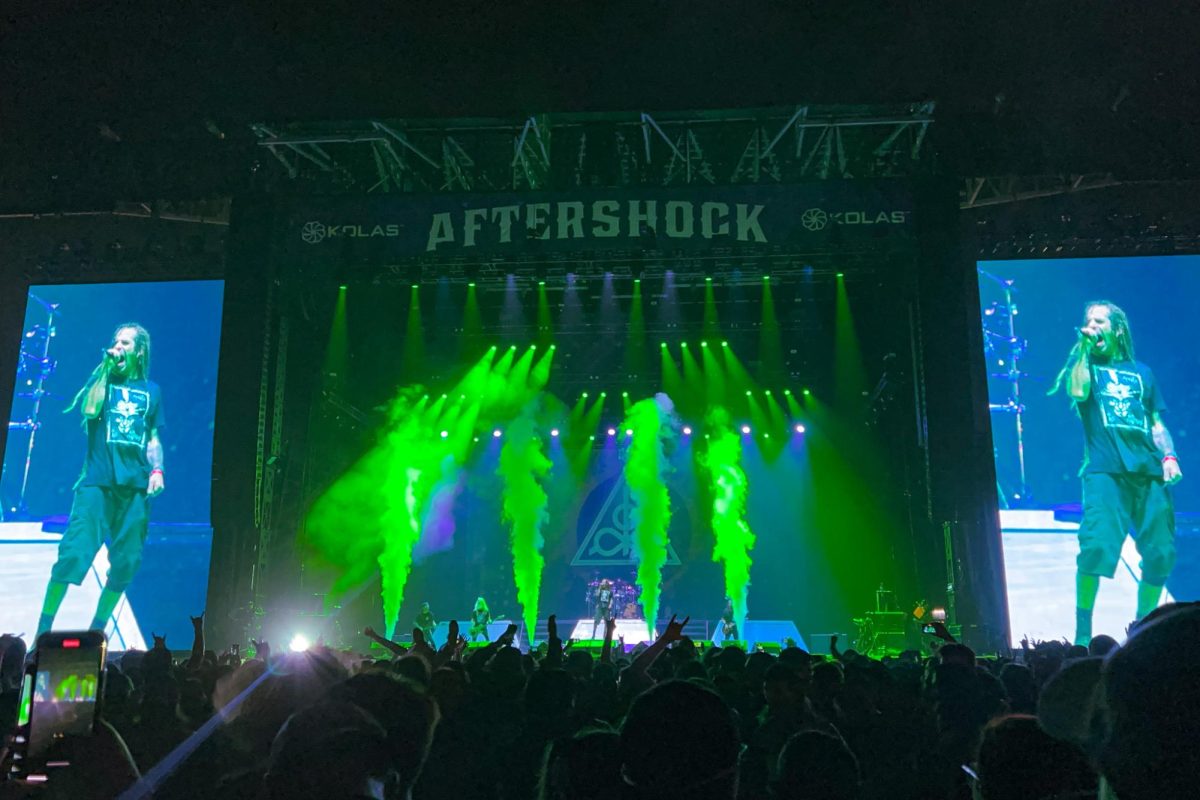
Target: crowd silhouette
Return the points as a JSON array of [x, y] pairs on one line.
[[673, 719]]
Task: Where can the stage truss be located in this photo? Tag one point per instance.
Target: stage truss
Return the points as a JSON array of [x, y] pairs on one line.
[[561, 151]]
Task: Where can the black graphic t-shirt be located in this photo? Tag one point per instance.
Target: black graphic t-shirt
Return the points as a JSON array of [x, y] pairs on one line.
[[604, 599], [1117, 417], [116, 450]]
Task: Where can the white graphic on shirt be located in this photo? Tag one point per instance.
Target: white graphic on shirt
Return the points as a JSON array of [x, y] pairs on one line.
[[127, 409], [1120, 394]]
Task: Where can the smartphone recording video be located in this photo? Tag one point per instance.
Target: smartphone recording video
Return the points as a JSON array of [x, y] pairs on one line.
[[62, 693]]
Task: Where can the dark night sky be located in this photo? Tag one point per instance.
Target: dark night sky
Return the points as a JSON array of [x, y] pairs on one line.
[[153, 73]]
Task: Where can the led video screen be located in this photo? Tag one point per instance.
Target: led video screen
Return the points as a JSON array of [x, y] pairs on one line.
[[107, 468], [1094, 395]]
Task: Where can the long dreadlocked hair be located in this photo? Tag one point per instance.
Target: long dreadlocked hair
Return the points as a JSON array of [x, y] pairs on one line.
[[141, 350], [1121, 337]]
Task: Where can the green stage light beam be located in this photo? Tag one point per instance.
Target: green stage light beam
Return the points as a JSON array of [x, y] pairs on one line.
[[581, 454], [337, 349], [645, 475], [714, 376], [712, 325], [540, 375], [635, 341], [672, 380], [733, 540], [770, 342], [545, 324], [738, 378], [475, 382], [472, 323], [758, 416], [414, 336], [692, 376], [523, 469], [778, 419], [849, 374]]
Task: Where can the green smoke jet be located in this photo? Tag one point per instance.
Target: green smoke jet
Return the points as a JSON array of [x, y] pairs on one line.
[[372, 513], [522, 467], [733, 538], [645, 471]]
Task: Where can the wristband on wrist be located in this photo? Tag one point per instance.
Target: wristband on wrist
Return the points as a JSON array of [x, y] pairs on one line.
[[1170, 457], [156, 470]]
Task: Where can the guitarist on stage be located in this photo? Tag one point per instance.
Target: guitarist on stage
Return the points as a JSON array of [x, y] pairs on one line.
[[480, 617]]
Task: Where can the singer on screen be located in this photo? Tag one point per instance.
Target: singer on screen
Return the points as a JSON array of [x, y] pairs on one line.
[[1129, 462], [122, 470]]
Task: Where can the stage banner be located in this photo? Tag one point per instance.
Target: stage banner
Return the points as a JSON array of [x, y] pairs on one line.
[[383, 228]]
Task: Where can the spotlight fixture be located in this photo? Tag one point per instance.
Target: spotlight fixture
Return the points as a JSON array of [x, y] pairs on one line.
[[342, 288], [807, 392], [766, 277], [445, 434], [841, 275], [612, 431], [554, 432], [496, 433], [799, 429], [724, 344], [414, 287], [704, 344], [471, 285], [748, 393], [687, 430], [592, 438], [604, 394], [541, 283], [787, 392], [624, 394], [584, 395], [683, 344], [629, 431], [707, 279], [745, 429], [299, 643], [476, 439], [664, 344]]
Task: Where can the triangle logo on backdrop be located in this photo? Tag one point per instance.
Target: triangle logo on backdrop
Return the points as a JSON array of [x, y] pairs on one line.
[[609, 540]]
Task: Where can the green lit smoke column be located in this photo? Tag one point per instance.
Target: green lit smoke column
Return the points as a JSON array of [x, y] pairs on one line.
[[734, 540], [522, 467], [645, 474]]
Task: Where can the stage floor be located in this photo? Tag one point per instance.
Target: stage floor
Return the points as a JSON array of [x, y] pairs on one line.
[[26, 555], [1039, 561]]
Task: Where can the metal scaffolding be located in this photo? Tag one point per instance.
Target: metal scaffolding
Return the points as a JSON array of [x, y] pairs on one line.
[[563, 151]]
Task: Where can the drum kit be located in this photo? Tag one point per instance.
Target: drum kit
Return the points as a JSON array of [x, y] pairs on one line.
[[624, 602], [34, 368]]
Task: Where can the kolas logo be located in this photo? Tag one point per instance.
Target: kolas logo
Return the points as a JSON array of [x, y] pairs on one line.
[[312, 232], [816, 219], [315, 232]]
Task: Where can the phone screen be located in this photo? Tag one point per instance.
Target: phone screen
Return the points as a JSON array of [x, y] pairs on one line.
[[929, 629], [65, 690]]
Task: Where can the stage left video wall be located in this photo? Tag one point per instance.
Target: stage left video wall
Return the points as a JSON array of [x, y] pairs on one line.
[[107, 471]]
